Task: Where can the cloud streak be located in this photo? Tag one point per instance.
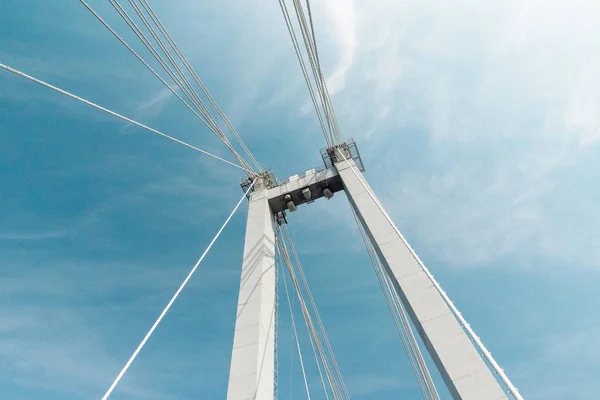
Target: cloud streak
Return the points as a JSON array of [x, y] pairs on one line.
[[342, 14], [485, 105]]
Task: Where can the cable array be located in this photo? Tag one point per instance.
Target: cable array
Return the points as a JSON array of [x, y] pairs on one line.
[[409, 342], [276, 337], [158, 41], [333, 137], [185, 81], [106, 110], [329, 372], [295, 339], [322, 100]]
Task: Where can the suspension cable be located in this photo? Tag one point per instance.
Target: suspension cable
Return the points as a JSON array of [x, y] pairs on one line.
[[180, 80], [292, 33], [326, 354], [315, 351], [308, 43], [404, 320], [166, 309], [328, 97], [276, 337], [282, 263], [174, 63], [314, 306], [319, 369], [197, 79], [177, 76], [318, 350], [332, 133], [171, 67], [329, 373], [146, 64], [313, 45], [295, 335], [141, 60], [312, 30], [403, 327], [89, 103]]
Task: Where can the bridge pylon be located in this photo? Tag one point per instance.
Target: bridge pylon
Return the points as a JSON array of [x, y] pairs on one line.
[[465, 373]]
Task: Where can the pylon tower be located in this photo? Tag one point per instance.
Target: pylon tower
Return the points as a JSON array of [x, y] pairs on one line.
[[462, 368]]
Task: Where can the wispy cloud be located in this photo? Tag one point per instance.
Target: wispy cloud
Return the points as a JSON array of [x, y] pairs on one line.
[[35, 235], [58, 323], [477, 119], [156, 103], [469, 125], [556, 357], [342, 14], [55, 347], [478, 123]]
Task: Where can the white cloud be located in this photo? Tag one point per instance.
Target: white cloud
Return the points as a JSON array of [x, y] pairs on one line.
[[556, 359], [466, 114], [57, 349], [35, 235], [342, 14], [497, 101], [67, 328], [502, 95], [156, 103]]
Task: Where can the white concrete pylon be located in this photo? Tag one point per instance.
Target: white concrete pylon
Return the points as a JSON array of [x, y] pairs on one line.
[[462, 368], [251, 375]]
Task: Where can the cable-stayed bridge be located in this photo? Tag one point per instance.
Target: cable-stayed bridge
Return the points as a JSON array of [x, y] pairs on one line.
[[271, 271]]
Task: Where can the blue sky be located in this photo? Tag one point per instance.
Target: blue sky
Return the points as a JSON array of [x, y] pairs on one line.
[[479, 125]]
